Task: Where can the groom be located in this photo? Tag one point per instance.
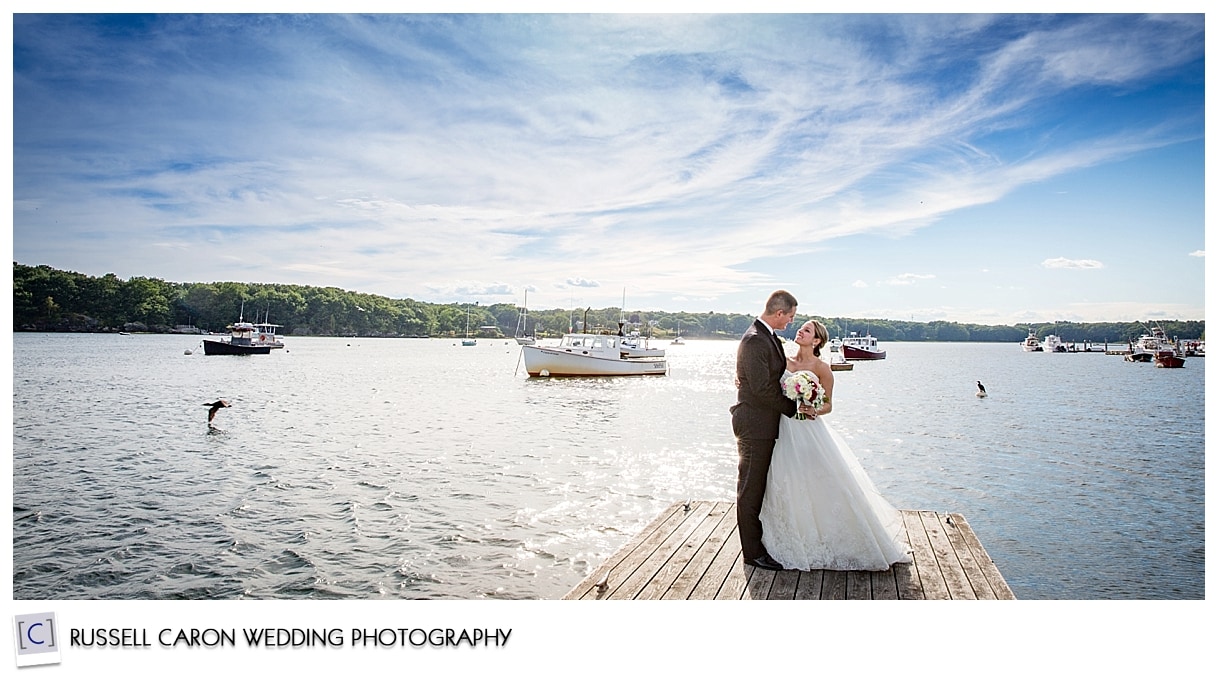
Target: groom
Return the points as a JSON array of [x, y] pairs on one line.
[[760, 362]]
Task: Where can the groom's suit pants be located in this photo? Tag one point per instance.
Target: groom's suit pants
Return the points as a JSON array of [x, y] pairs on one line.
[[755, 455]]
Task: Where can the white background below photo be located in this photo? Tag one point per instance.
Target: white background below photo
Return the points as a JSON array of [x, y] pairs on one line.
[[623, 637]]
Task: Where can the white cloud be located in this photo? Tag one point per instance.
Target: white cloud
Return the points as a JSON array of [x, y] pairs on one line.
[[1198, 253], [859, 284], [908, 279], [1066, 263]]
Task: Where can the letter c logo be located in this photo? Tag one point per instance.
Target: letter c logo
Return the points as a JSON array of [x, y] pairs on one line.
[[29, 634]]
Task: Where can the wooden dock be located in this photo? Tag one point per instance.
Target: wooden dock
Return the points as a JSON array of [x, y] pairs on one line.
[[691, 551]]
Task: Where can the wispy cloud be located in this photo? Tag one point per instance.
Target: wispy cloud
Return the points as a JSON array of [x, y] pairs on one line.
[[1197, 253], [1065, 263], [907, 279]]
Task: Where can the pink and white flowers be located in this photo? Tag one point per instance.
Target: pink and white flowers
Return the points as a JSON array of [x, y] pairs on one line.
[[804, 388]]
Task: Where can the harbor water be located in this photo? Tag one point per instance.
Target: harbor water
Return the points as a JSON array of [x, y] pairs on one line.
[[422, 469]]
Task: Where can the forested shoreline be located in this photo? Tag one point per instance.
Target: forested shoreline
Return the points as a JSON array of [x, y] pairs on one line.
[[51, 300]]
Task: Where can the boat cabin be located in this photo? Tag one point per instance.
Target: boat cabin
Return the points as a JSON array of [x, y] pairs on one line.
[[580, 341]]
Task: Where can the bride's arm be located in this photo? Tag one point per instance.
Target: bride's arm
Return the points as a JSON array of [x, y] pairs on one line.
[[825, 374]]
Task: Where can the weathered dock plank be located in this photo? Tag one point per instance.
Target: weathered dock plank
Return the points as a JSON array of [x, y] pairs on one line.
[[684, 585], [785, 584], [998, 584], [682, 554], [810, 583], [949, 562], [691, 551]]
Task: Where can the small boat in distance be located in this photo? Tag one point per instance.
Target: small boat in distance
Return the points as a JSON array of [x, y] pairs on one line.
[[588, 355], [837, 363], [677, 340], [1168, 359], [835, 344], [264, 333], [634, 345], [1149, 345], [1159, 346], [468, 341], [855, 347], [1054, 344], [1031, 343], [241, 340], [522, 324]]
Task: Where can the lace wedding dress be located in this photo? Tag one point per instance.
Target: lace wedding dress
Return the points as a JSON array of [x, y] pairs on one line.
[[820, 510]]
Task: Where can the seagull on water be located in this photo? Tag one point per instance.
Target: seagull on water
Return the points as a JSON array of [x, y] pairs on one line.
[[981, 390], [211, 413]]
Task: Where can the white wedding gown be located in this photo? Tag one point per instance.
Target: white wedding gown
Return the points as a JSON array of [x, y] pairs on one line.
[[820, 510]]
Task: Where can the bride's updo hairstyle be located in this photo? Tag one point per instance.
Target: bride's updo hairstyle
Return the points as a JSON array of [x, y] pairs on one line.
[[820, 333]]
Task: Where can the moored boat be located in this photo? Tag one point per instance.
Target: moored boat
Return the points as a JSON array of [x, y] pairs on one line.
[[1168, 359], [1032, 343], [468, 341], [264, 334], [838, 364], [1054, 344], [1154, 345], [239, 342], [634, 345], [588, 355], [522, 324], [855, 347]]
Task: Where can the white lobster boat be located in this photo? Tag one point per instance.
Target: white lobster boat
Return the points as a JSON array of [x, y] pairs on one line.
[[588, 355]]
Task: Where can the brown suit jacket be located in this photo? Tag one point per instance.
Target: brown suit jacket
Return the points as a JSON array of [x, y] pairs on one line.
[[759, 366]]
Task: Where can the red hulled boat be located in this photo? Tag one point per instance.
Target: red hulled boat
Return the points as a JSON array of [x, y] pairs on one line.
[[862, 348]]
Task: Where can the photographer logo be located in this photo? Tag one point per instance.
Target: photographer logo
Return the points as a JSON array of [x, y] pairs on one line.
[[37, 640]]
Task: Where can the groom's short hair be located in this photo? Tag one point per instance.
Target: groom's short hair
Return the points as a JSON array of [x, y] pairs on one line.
[[780, 300]]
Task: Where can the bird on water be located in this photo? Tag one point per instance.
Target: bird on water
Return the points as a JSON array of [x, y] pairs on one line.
[[981, 390], [211, 413]]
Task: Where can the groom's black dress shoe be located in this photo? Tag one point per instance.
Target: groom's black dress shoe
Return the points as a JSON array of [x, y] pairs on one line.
[[765, 562]]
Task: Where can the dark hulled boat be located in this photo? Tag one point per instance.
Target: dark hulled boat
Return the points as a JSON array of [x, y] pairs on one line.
[[241, 341]]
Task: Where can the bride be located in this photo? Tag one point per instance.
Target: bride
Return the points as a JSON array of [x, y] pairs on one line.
[[820, 510]]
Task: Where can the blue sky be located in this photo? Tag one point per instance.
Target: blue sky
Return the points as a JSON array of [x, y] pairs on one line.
[[986, 169]]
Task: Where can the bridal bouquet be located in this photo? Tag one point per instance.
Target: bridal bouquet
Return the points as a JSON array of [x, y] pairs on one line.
[[803, 388]]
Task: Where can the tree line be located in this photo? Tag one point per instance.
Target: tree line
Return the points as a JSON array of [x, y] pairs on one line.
[[47, 299]]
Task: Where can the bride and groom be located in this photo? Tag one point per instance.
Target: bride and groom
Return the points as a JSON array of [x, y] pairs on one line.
[[803, 500]]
